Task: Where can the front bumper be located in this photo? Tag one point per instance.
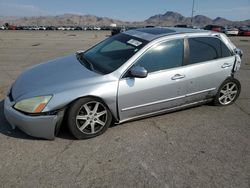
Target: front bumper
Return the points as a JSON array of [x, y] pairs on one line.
[[36, 126]]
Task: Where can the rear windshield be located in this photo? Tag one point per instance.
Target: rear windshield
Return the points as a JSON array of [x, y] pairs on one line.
[[113, 52]]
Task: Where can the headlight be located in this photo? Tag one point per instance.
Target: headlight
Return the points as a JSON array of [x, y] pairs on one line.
[[33, 105]]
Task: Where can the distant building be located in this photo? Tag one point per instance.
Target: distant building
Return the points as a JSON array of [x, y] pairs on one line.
[[113, 25]]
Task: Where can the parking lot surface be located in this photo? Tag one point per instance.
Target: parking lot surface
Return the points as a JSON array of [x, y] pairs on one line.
[[205, 146]]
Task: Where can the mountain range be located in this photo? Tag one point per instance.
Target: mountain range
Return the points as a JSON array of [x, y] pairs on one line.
[[168, 19]]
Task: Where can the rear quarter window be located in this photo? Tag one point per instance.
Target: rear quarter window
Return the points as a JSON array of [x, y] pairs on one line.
[[225, 52]]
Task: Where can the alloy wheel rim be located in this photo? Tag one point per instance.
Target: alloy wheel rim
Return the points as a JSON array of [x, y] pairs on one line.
[[228, 93], [91, 117]]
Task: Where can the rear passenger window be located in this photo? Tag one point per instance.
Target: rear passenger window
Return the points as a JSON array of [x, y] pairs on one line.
[[206, 49], [203, 49]]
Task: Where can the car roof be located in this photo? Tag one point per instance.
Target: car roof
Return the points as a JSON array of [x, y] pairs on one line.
[[150, 34]]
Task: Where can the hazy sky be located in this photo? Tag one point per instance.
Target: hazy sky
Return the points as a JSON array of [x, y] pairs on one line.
[[128, 10]]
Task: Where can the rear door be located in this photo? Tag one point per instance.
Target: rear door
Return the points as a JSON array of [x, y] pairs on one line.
[[210, 63]]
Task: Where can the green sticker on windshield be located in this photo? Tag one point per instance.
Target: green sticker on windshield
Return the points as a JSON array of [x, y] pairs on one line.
[[134, 42]]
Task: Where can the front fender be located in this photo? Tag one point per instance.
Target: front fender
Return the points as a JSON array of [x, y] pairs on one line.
[[105, 91]]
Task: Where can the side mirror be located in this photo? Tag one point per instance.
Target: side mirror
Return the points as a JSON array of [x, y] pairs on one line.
[[79, 52], [138, 72]]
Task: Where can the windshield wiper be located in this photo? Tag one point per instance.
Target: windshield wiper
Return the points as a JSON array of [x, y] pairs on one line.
[[88, 62], [82, 59]]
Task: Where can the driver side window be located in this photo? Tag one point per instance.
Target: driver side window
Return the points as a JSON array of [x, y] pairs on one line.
[[163, 56]]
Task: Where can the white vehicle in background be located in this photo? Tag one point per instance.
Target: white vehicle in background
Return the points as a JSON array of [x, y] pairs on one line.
[[2, 27], [232, 31], [113, 25], [61, 28], [42, 28], [67, 28], [97, 28], [35, 28]]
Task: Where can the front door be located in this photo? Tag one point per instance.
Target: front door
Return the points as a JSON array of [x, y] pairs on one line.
[[164, 87]]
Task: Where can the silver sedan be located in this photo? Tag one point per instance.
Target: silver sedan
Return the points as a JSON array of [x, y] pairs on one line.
[[135, 74]]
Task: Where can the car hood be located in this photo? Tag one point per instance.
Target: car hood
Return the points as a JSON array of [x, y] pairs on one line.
[[53, 76]]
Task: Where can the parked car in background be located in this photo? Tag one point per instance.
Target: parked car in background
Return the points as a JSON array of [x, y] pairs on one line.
[[12, 27], [36, 28], [215, 28], [30, 27], [187, 26], [135, 74], [2, 27], [67, 28], [117, 30], [25, 27], [181, 26], [78, 28], [52, 28], [106, 28], [244, 31], [19, 28], [61, 28], [97, 28], [42, 28], [231, 31]]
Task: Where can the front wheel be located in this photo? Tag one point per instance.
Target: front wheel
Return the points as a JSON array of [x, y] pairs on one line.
[[228, 92], [88, 118]]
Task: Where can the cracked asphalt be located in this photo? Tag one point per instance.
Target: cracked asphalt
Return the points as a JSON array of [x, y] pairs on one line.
[[205, 146]]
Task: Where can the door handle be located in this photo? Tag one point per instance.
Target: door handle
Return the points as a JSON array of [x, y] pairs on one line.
[[178, 76], [225, 65]]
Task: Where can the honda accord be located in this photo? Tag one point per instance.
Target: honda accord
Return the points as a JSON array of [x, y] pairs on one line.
[[134, 74]]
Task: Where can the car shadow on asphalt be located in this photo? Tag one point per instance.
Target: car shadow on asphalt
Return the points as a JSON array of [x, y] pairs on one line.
[[6, 129]]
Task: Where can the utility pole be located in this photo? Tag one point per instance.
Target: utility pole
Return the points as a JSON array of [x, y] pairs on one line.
[[80, 20], [192, 13]]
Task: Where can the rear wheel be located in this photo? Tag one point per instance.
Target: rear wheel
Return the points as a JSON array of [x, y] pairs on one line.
[[88, 118], [228, 92]]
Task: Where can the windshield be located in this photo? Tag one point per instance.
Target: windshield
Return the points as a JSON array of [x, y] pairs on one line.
[[113, 52]]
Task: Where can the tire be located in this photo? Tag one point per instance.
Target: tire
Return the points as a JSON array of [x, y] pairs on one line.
[[88, 118], [228, 92]]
